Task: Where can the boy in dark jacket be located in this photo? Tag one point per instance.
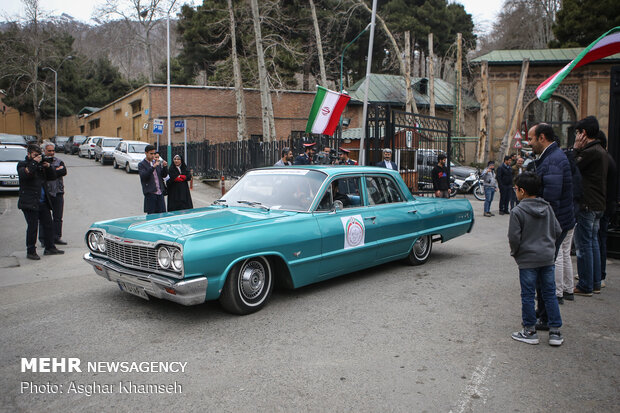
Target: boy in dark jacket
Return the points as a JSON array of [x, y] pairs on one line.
[[532, 233], [34, 200]]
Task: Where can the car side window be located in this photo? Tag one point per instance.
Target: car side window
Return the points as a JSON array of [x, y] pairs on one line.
[[345, 190], [382, 190]]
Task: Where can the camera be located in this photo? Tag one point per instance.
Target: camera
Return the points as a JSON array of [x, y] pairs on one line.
[[48, 159]]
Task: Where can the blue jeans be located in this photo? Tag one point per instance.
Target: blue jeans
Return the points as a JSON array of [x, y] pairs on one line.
[[588, 251], [489, 191], [545, 277], [602, 243]]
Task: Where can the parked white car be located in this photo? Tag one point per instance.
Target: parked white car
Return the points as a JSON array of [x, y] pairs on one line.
[[87, 149], [10, 155], [128, 154], [104, 150]]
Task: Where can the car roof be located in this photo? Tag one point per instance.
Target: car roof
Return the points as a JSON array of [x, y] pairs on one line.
[[124, 141], [332, 170], [11, 146]]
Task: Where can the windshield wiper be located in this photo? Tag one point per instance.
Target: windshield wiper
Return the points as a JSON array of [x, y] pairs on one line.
[[220, 201], [254, 204]]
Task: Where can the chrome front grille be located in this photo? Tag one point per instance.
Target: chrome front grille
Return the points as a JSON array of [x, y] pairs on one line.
[[132, 255]]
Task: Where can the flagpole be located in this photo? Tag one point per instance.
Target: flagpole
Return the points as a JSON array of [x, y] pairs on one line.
[[362, 160]]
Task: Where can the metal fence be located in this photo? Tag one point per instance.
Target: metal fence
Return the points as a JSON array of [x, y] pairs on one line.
[[233, 159]]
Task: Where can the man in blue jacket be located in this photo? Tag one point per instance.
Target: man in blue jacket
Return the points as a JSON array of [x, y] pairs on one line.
[[151, 178], [557, 187]]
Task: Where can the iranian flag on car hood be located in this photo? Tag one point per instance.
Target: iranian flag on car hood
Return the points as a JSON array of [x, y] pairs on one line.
[[326, 110]]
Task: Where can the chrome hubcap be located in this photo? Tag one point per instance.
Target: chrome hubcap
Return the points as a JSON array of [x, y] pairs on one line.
[[252, 279], [420, 247]]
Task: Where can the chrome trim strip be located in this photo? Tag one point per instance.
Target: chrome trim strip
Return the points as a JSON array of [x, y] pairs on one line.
[[188, 292]]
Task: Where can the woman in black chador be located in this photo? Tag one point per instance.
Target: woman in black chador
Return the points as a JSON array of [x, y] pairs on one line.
[[178, 190]]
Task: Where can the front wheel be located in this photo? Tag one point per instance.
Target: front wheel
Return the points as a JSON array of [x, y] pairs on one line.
[[421, 250], [114, 164], [127, 168], [102, 160], [479, 192], [248, 286]]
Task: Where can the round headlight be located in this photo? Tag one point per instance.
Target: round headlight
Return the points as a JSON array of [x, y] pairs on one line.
[[177, 260], [100, 242], [163, 257], [92, 241]]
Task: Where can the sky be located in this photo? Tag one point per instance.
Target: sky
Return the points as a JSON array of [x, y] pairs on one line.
[[483, 11]]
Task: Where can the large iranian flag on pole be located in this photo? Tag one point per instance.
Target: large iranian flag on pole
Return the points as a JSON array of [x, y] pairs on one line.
[[606, 45], [326, 110]]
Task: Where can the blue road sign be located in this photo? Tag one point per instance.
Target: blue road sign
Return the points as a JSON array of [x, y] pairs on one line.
[[179, 124], [158, 126]]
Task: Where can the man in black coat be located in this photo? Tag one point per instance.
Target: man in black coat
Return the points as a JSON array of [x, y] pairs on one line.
[[34, 201], [152, 171], [56, 191], [441, 185], [387, 160], [504, 181]]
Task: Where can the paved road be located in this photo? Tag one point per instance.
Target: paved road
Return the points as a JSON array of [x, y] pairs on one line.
[[393, 338]]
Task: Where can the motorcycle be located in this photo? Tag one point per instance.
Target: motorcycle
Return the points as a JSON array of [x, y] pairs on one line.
[[469, 185]]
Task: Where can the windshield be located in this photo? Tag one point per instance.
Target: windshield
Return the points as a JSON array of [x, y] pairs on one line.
[[136, 148], [12, 154], [13, 139], [110, 142], [61, 139], [79, 139], [286, 189]]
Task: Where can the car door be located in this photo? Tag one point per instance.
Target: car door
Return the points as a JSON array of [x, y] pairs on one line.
[[397, 221], [347, 241]]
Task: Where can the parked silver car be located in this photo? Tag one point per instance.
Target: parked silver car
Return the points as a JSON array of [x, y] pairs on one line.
[[128, 154], [87, 149], [10, 155], [104, 149]]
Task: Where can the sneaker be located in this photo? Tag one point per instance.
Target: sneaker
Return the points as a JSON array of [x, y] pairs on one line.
[[577, 291], [541, 325], [53, 251], [597, 290], [603, 285], [60, 242], [529, 337], [555, 338], [560, 300], [33, 256], [569, 296], [488, 214]]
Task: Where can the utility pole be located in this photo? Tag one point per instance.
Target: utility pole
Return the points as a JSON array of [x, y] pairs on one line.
[[458, 90]]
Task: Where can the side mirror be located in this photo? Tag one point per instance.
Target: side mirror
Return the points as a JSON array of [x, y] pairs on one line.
[[337, 206]]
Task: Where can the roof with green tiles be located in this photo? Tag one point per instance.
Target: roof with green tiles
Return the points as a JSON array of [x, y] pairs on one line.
[[538, 57], [391, 89]]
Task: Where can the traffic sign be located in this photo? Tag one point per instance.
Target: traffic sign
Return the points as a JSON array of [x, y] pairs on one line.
[[158, 126], [517, 136], [517, 144], [179, 124]]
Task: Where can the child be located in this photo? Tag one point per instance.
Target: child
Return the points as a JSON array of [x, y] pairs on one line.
[[532, 232]]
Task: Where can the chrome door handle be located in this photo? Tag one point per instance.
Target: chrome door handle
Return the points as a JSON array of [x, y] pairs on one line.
[[371, 218], [413, 211]]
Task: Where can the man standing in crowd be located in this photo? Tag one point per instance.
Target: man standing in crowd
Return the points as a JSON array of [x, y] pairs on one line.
[[610, 207], [553, 168], [592, 162], [306, 158], [324, 157], [387, 160], [504, 180], [34, 201], [344, 157], [517, 170], [151, 177], [490, 187], [441, 185], [287, 157], [56, 191]]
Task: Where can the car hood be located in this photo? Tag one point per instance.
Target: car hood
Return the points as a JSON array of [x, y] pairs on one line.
[[8, 168], [172, 226], [135, 156]]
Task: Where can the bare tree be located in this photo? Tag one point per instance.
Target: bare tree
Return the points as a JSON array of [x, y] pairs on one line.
[[239, 96], [319, 45], [269, 128], [148, 13]]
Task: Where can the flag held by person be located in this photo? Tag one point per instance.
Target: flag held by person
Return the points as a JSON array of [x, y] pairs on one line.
[[606, 45], [326, 110]]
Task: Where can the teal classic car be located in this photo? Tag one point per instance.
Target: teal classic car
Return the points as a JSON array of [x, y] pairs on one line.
[[289, 226]]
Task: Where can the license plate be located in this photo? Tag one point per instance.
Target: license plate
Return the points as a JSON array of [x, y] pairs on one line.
[[133, 289], [7, 183]]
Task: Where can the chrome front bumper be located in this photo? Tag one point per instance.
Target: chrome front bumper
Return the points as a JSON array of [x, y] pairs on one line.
[[186, 292]]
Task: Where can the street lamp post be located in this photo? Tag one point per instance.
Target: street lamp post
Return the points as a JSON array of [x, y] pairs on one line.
[[56, 93]]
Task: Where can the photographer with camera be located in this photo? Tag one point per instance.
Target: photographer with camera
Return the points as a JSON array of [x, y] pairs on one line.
[[56, 191], [327, 157], [34, 200]]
